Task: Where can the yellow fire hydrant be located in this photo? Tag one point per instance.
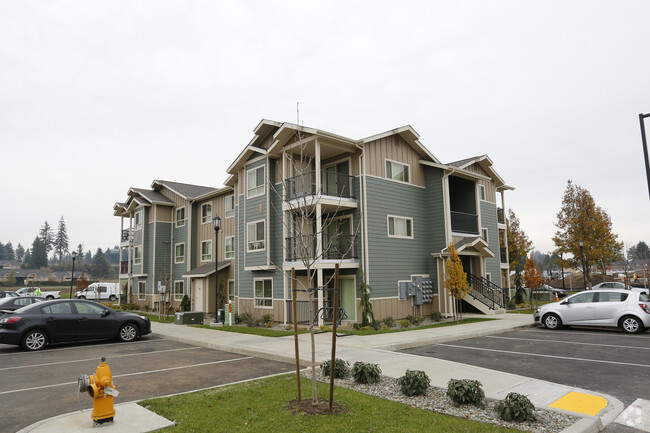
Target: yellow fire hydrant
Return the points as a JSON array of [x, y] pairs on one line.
[[101, 389]]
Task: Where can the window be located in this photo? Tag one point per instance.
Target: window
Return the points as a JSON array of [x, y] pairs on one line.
[[179, 290], [230, 206], [142, 290], [206, 251], [61, 308], [180, 253], [397, 171], [400, 227], [255, 233], [264, 293], [481, 192], [94, 309], [206, 213], [137, 255], [255, 181], [230, 247], [484, 234], [231, 292], [180, 217], [138, 219]]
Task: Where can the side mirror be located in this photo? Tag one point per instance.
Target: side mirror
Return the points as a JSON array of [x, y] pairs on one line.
[[106, 313], [564, 303]]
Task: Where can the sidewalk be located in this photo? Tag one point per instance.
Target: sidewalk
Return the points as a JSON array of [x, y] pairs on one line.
[[378, 349]]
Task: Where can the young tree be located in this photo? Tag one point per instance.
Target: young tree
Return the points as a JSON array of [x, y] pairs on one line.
[[456, 278], [61, 240], [532, 276], [367, 316], [580, 220], [518, 242], [47, 236]]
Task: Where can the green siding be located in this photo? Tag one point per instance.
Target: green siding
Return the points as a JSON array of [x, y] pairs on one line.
[[489, 221]]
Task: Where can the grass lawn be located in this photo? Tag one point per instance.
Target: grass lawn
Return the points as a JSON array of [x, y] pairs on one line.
[[265, 332], [413, 328], [259, 406]]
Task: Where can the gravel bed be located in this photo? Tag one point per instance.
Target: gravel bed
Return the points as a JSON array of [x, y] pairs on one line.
[[436, 400]]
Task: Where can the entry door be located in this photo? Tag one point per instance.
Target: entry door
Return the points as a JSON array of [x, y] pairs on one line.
[[348, 297], [199, 294], [339, 239], [336, 185]]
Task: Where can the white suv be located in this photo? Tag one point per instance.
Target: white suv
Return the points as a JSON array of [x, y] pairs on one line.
[[626, 309]]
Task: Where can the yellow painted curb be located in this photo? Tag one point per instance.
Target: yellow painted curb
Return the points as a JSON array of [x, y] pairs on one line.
[[580, 403]]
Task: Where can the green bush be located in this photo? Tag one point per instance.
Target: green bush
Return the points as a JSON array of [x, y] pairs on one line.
[[414, 320], [249, 320], [363, 372], [414, 382], [517, 408], [376, 325], [389, 321], [185, 303], [511, 305], [266, 318], [404, 323], [341, 368], [436, 316], [465, 391]]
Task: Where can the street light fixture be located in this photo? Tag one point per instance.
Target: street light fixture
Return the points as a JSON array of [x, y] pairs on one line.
[[74, 256], [645, 147], [582, 259], [217, 225]]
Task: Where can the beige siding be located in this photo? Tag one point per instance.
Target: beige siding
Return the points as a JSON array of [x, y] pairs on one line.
[[163, 213], [490, 188], [396, 149]]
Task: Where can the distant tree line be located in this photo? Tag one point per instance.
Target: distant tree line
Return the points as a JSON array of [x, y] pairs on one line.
[[104, 263]]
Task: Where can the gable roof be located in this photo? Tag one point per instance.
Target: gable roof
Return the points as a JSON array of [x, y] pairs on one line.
[[185, 190]]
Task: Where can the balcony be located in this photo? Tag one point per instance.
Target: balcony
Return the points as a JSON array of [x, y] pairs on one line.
[[501, 217], [124, 267], [335, 247], [127, 235], [504, 254], [462, 222], [335, 189]]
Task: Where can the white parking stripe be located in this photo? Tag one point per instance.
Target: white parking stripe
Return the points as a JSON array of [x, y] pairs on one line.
[[95, 359], [569, 342], [545, 356], [129, 374], [75, 347]]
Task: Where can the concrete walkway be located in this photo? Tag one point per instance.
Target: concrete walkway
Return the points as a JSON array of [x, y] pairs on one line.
[[594, 409]]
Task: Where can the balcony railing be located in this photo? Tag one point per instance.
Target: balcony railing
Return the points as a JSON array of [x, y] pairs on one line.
[[124, 267], [332, 184], [462, 222], [504, 255], [335, 247], [501, 217], [127, 235]]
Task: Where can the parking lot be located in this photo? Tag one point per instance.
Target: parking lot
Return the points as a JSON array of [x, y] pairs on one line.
[[39, 385], [602, 360]]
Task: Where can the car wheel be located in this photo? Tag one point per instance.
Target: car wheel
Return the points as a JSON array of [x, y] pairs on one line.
[[128, 332], [49, 297], [112, 298], [552, 321], [34, 340], [631, 325]]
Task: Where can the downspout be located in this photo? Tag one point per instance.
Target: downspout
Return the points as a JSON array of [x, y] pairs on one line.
[[364, 213], [448, 236]]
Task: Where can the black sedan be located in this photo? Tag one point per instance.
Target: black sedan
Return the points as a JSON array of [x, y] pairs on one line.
[[7, 294], [561, 293], [12, 303], [35, 326]]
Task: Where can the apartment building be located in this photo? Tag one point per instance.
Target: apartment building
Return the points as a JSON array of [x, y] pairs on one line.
[[307, 201]]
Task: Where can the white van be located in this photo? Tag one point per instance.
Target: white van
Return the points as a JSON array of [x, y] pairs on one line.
[[100, 291]]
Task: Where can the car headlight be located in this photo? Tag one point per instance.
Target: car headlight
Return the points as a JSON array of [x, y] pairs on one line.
[[538, 310]]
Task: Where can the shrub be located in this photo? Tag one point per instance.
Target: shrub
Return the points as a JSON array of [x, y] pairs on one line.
[[341, 368], [404, 323], [414, 382], [436, 316], [365, 328], [376, 325], [465, 391], [266, 318], [389, 321], [516, 407], [238, 319], [249, 320], [414, 320], [511, 305], [325, 328], [185, 303], [366, 373]]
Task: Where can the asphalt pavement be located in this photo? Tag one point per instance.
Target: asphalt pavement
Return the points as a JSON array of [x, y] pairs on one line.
[[594, 409]]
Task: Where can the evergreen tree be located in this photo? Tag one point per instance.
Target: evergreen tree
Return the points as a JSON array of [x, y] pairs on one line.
[[47, 236], [61, 240], [39, 254], [100, 265], [2, 251], [20, 253], [640, 252], [9, 251]]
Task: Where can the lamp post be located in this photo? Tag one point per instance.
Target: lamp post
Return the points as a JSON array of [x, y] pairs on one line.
[[582, 259], [74, 256], [217, 225], [645, 147], [562, 267]]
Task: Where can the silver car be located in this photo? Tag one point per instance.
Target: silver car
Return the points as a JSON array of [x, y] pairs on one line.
[[626, 309]]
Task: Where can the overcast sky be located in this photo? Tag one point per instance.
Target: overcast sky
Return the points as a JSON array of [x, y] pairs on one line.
[[100, 96]]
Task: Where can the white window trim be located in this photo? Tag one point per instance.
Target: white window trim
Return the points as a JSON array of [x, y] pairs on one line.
[[137, 258], [401, 163], [184, 253], [248, 187], [486, 238], [176, 296], [138, 215], [482, 193], [248, 241], [269, 307], [206, 219], [388, 217], [179, 223], [142, 295], [206, 259], [488, 276], [226, 249], [230, 213]]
